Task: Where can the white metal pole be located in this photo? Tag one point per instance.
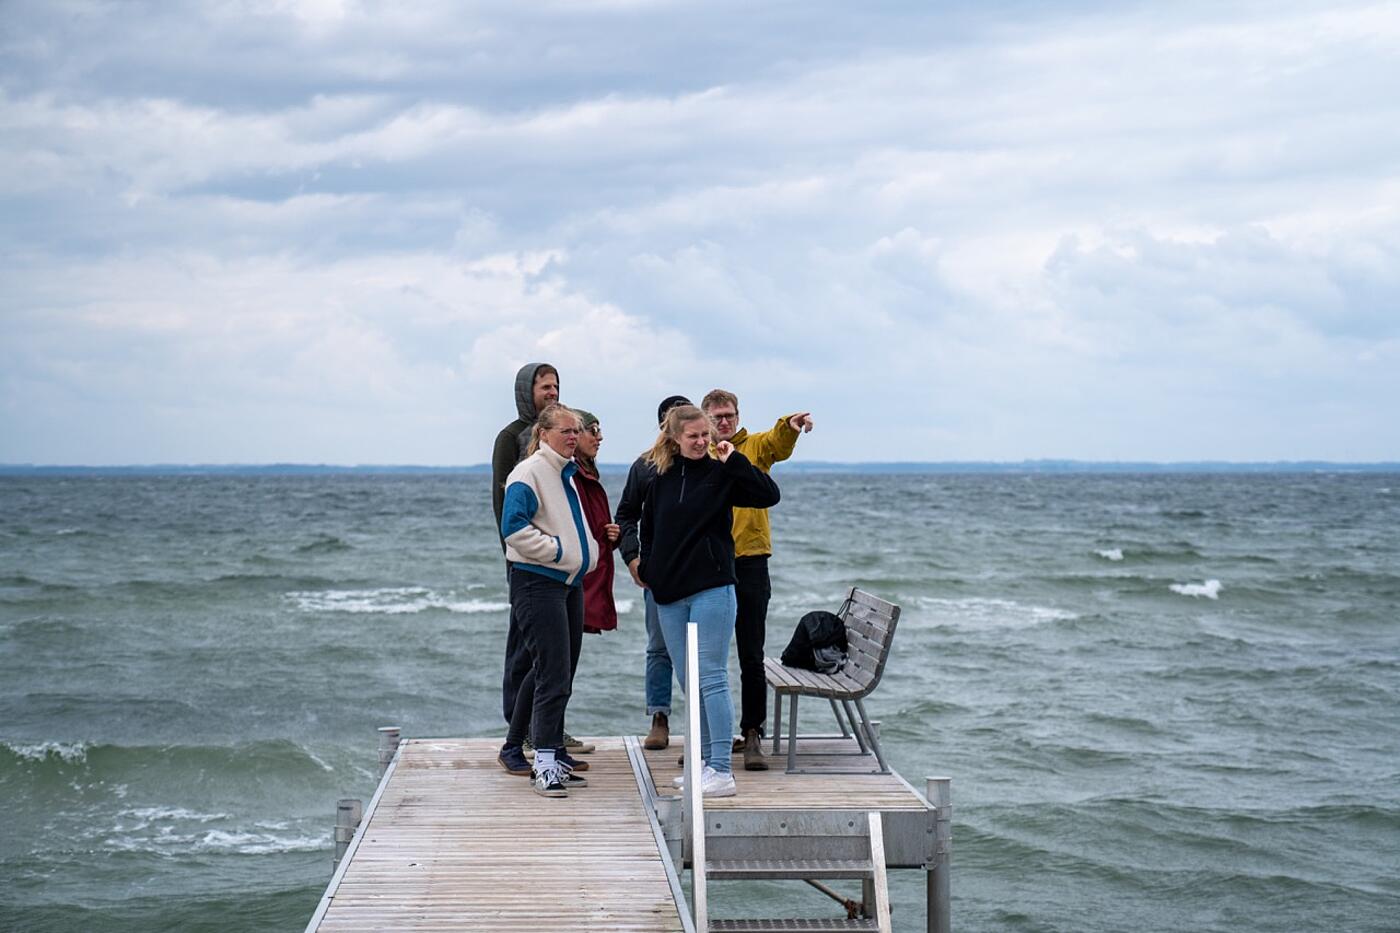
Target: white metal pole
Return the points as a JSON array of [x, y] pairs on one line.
[[693, 792]]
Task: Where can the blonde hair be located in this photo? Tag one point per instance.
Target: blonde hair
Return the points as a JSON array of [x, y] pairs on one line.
[[548, 420], [663, 452]]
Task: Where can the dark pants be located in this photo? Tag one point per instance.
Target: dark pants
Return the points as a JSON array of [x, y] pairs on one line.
[[752, 591], [550, 615], [517, 661]]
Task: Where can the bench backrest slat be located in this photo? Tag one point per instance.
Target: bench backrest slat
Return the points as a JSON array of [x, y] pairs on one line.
[[863, 654], [870, 624]]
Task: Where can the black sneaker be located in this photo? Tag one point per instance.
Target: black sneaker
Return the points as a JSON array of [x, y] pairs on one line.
[[549, 783], [513, 760], [573, 763]]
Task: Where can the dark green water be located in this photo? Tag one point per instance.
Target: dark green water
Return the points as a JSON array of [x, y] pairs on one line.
[[1167, 702]]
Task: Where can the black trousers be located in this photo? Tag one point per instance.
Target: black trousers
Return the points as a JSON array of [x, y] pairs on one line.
[[517, 659], [752, 591], [550, 615]]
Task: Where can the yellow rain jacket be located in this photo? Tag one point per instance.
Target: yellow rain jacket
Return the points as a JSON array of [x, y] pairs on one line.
[[752, 534]]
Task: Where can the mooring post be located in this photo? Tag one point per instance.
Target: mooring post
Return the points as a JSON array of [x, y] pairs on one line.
[[348, 813], [940, 794], [388, 745]]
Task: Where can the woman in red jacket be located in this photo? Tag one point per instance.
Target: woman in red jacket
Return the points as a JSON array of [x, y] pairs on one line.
[[599, 611]]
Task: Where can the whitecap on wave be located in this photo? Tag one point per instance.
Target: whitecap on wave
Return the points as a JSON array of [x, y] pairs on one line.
[[1111, 553], [70, 752], [145, 816], [215, 841], [624, 606], [394, 600], [172, 831], [1210, 589], [985, 613]]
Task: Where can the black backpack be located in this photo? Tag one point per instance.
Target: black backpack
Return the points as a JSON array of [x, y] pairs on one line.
[[818, 644]]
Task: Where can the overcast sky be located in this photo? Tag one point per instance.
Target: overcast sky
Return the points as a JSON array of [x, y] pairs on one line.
[[243, 232]]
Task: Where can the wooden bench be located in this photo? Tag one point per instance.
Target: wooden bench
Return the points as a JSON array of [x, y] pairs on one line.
[[870, 624]]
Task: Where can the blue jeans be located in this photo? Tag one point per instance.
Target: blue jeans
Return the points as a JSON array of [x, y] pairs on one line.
[[713, 611], [658, 675]]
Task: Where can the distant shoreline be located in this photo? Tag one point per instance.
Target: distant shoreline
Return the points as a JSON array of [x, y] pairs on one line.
[[1042, 467]]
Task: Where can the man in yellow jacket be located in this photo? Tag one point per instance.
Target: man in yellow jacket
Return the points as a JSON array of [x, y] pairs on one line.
[[753, 543]]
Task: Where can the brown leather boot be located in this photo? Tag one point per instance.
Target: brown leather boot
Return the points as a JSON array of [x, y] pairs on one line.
[[753, 752], [660, 735]]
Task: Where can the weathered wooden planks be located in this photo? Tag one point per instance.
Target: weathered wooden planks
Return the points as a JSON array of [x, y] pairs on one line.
[[455, 842], [775, 789]]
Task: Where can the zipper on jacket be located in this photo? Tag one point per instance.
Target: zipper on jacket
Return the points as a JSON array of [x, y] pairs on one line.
[[682, 499]]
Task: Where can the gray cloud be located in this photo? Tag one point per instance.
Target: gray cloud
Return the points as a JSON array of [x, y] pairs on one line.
[[1099, 231]]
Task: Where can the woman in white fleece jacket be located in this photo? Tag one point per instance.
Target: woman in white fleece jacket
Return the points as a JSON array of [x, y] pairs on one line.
[[550, 549]]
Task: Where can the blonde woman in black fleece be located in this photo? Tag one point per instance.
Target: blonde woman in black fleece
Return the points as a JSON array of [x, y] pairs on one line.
[[687, 560]]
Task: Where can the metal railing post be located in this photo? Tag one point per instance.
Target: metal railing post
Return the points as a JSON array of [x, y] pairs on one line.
[[694, 793], [940, 794], [348, 813], [388, 745]]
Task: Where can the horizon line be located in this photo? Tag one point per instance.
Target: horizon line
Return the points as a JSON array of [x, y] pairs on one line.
[[1042, 464]]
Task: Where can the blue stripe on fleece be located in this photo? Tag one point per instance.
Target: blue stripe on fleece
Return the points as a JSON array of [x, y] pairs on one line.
[[520, 506], [550, 572], [574, 506]]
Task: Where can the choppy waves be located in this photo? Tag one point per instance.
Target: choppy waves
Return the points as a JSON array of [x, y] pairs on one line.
[[1155, 696], [984, 613], [394, 600], [62, 761], [173, 835], [154, 801]]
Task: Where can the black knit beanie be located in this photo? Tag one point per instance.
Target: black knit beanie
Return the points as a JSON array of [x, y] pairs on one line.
[[671, 402]]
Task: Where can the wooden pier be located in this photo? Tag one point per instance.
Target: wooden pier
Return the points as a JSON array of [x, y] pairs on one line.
[[451, 841]]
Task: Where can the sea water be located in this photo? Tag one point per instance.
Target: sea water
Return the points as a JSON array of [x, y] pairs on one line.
[[1167, 702]]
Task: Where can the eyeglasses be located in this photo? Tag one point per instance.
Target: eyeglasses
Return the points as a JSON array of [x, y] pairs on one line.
[[724, 415], [596, 430]]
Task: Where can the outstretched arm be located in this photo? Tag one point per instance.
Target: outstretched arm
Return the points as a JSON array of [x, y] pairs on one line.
[[778, 442]]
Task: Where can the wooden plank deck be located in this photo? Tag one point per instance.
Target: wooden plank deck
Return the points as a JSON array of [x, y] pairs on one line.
[[451, 841], [776, 790], [454, 842]]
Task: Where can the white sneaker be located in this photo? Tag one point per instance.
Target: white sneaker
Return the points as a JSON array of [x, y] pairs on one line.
[[717, 784], [680, 781], [712, 783]]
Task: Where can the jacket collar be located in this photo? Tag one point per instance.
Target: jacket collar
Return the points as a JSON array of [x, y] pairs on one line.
[[556, 460]]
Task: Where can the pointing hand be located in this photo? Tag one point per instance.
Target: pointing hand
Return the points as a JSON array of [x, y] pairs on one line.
[[802, 421]]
